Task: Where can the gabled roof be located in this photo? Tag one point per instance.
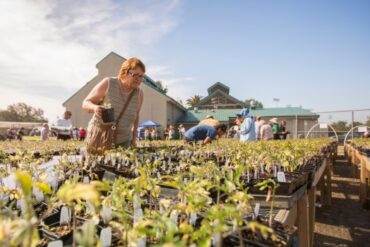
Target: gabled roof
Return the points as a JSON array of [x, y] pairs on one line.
[[218, 86], [223, 115], [108, 55], [147, 81], [210, 96]]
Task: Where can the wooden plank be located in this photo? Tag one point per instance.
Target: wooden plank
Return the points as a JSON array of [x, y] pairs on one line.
[[320, 172], [292, 217], [286, 202], [363, 182], [311, 213], [367, 160], [303, 221], [328, 190]]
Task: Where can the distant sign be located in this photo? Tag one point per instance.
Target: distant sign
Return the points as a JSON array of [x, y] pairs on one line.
[[362, 129], [323, 126]]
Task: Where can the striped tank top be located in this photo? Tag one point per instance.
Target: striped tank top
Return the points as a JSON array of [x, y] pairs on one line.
[[117, 99]]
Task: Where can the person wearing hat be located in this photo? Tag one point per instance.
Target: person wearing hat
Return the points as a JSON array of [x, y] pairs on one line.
[[204, 133], [246, 125], [182, 131], [209, 121], [265, 131], [275, 128]]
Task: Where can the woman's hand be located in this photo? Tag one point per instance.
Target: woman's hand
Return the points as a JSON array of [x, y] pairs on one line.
[[98, 110]]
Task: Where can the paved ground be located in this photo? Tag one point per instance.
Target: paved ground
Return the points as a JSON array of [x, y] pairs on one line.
[[345, 223]]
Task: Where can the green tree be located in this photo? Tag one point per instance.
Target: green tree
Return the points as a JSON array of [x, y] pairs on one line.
[[367, 123], [21, 112], [159, 84], [193, 101], [253, 104], [180, 101], [341, 126]]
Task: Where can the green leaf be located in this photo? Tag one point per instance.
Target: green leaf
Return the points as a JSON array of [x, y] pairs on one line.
[[25, 180], [43, 187], [205, 242]]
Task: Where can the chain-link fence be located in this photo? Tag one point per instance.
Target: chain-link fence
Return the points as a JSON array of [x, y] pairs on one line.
[[341, 125]]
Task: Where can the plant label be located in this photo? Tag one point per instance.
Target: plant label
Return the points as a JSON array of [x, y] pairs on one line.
[[106, 237], [235, 225], [193, 218], [57, 243], [10, 182], [216, 239], [275, 171], [21, 204], [141, 242], [174, 216], [158, 175], [138, 215], [109, 176], [257, 209], [38, 194], [136, 201], [86, 180], [75, 175], [106, 214], [65, 216], [90, 207], [281, 177], [255, 173]]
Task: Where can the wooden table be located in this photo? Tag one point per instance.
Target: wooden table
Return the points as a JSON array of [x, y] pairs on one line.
[[300, 206], [363, 163]]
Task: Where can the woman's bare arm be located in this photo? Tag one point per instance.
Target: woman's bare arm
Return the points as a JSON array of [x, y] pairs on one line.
[[90, 104], [136, 122]]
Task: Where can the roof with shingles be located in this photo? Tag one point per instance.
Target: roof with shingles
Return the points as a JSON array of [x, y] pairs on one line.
[[213, 94], [223, 115]]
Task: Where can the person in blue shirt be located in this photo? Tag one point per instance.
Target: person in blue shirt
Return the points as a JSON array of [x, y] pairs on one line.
[[246, 124], [205, 133]]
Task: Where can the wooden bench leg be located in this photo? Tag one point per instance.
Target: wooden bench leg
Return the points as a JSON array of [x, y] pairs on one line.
[[303, 221]]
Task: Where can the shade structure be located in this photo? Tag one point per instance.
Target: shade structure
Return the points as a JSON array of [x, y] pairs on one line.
[[148, 123]]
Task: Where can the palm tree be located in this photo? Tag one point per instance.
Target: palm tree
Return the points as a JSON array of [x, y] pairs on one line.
[[254, 104], [193, 101]]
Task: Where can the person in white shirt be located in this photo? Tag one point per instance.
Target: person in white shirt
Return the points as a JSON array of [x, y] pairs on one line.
[[257, 125], [63, 126], [182, 131], [44, 133]]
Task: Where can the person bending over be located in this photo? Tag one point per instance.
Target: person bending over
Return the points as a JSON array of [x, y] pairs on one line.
[[205, 133]]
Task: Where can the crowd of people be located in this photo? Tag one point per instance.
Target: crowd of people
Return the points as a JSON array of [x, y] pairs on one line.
[[15, 134], [247, 129], [252, 129]]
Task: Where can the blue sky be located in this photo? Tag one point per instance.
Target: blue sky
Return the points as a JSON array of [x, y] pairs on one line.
[[314, 54]]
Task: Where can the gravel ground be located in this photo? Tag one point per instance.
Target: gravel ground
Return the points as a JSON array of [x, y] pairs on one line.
[[345, 222]]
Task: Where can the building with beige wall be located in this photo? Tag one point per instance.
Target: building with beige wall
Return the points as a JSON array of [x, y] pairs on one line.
[[157, 106], [223, 107], [162, 109]]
